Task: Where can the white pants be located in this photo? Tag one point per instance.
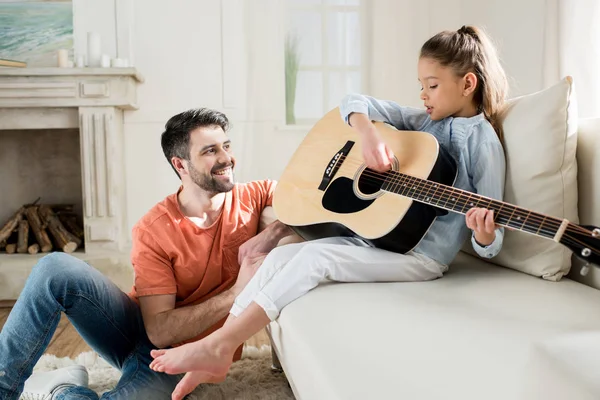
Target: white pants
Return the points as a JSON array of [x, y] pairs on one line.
[[291, 271]]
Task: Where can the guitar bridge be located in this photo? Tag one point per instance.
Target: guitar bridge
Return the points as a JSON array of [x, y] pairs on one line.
[[335, 164]]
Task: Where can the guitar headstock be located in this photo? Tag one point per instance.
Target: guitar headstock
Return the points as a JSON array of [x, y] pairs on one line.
[[584, 242]]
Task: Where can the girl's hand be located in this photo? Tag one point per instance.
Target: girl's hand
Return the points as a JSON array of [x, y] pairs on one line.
[[481, 221], [376, 154]]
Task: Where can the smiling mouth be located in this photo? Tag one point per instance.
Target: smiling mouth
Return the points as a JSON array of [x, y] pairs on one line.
[[226, 171]]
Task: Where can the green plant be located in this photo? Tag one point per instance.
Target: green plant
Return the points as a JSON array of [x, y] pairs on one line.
[[292, 62]]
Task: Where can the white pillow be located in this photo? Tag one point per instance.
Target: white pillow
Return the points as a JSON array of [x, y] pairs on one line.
[[540, 139]]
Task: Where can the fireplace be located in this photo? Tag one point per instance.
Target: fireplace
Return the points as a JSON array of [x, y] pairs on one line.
[[61, 132], [40, 180]]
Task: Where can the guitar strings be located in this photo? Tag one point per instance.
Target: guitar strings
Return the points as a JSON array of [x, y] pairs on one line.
[[530, 216], [544, 230], [566, 237], [396, 178], [430, 185], [570, 228]]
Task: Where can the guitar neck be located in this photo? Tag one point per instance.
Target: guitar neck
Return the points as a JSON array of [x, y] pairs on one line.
[[460, 201]]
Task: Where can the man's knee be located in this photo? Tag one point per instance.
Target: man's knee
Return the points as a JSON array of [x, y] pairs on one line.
[[58, 267]]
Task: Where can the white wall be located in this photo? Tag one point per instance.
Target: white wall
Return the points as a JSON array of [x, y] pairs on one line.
[[177, 47], [178, 50], [228, 54], [400, 27]]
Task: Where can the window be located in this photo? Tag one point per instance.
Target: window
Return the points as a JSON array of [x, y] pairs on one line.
[[322, 56]]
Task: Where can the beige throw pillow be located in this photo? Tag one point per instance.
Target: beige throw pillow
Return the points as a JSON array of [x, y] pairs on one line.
[[540, 138]]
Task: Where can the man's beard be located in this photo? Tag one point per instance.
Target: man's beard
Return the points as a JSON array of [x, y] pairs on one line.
[[208, 181]]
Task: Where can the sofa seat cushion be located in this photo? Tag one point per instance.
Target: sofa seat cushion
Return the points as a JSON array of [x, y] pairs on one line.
[[466, 336]]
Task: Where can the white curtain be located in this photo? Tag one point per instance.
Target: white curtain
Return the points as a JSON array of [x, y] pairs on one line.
[[572, 47]]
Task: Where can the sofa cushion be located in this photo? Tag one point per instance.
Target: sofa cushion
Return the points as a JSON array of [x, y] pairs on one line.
[[466, 336], [540, 141]]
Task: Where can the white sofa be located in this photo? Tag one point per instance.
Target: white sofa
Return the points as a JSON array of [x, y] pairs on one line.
[[478, 333]]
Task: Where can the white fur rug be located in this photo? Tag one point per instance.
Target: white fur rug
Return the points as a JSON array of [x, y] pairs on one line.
[[250, 378]]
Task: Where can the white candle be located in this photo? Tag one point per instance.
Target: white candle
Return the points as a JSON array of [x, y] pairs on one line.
[[105, 61], [119, 63], [94, 52], [79, 61], [62, 57]]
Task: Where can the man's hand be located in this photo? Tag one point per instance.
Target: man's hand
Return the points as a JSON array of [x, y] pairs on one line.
[[259, 244], [247, 270], [264, 242]]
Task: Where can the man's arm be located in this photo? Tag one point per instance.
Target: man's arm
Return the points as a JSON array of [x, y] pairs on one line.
[[167, 325]]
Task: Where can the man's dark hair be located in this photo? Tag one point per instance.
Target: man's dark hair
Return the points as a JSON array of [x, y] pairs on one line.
[[175, 140]]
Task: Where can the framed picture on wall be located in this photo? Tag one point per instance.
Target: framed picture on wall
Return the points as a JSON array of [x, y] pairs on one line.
[[33, 31]]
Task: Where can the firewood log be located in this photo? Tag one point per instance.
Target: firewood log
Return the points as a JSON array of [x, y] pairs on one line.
[[23, 240], [11, 248], [35, 223], [63, 238], [70, 222], [33, 249], [11, 225]]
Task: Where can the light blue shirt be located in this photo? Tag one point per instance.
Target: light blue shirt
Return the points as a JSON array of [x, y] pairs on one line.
[[480, 162]]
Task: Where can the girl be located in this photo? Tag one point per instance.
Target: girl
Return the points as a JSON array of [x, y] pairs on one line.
[[463, 89]]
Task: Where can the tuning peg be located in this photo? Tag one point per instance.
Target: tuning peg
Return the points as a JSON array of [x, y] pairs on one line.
[[585, 269]]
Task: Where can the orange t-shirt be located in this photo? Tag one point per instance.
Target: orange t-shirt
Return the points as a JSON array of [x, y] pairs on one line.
[[172, 255]]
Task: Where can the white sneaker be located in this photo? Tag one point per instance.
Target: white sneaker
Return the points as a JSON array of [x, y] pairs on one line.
[[43, 385]]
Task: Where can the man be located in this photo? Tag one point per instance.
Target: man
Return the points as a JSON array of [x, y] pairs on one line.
[[192, 254]]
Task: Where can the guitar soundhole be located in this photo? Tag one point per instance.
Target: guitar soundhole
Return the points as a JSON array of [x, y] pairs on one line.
[[370, 181]]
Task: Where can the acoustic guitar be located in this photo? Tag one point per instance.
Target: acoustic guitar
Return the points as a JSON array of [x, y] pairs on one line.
[[327, 190]]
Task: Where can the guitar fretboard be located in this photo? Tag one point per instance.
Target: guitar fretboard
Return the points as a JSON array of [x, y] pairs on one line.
[[460, 201]]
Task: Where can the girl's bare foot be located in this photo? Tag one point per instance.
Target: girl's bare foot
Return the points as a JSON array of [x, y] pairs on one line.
[[191, 380], [198, 356]]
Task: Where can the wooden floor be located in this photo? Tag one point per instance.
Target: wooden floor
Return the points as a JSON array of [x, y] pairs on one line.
[[66, 342]]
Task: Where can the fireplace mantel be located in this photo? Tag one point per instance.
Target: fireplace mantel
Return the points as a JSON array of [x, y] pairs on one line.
[[92, 100], [69, 87]]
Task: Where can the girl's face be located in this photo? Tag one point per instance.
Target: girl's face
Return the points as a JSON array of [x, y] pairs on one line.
[[444, 93]]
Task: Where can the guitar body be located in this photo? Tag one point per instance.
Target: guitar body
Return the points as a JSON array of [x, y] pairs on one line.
[[326, 189]]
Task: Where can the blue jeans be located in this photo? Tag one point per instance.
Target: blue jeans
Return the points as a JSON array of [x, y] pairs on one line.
[[109, 321]]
